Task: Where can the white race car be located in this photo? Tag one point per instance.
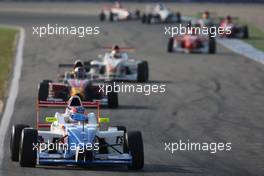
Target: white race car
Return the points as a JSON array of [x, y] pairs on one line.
[[160, 14], [117, 12], [75, 138], [117, 66]]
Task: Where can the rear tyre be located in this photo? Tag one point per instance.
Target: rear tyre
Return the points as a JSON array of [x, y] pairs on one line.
[[102, 16], [178, 16], [245, 32], [27, 153], [15, 140], [43, 91], [144, 19], [212, 46], [149, 18], [170, 45], [112, 100], [137, 13], [111, 17], [142, 72], [135, 145]]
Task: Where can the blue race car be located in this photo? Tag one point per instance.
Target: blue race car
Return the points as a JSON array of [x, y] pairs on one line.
[[75, 138]]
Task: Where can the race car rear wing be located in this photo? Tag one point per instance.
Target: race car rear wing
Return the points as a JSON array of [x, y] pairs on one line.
[[62, 104], [120, 48]]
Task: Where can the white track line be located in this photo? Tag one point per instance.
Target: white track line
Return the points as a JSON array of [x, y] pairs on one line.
[[13, 91], [243, 48]]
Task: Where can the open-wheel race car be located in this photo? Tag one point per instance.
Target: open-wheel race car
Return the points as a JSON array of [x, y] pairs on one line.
[[192, 43], [233, 30], [116, 66], [76, 82], [75, 137], [160, 14], [118, 12]]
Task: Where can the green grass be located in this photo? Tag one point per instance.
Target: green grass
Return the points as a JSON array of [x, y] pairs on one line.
[[7, 47], [256, 36]]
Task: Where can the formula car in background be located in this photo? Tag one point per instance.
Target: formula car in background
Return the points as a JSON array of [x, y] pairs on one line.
[[77, 139], [206, 19], [117, 12], [76, 82], [233, 30], [160, 14], [116, 66], [192, 43]]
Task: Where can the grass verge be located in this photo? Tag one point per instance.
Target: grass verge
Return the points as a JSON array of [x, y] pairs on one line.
[[256, 36], [7, 48]]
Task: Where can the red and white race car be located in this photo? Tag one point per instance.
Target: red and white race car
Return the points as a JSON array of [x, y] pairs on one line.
[[118, 12], [233, 30], [192, 43], [76, 83]]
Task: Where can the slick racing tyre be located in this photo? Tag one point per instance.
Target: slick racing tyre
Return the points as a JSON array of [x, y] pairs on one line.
[[149, 19], [178, 16], [170, 45], [135, 145], [142, 72], [102, 16], [27, 153], [144, 19], [245, 32], [111, 17], [137, 13], [212, 45], [112, 98], [15, 140], [43, 91]]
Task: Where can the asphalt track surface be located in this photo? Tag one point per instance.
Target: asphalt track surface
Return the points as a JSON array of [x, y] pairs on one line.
[[208, 98]]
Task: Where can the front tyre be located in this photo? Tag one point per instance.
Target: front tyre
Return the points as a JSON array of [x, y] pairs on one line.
[[15, 140], [135, 145], [111, 17], [170, 45], [212, 46], [102, 16], [43, 91], [28, 154], [112, 98], [142, 72], [245, 32]]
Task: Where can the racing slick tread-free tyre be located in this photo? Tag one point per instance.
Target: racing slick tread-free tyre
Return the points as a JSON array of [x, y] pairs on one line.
[[102, 16], [212, 45], [144, 19], [27, 153], [111, 17], [245, 32], [137, 13], [43, 91], [112, 100], [135, 146], [178, 16], [15, 140], [170, 45], [142, 72]]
